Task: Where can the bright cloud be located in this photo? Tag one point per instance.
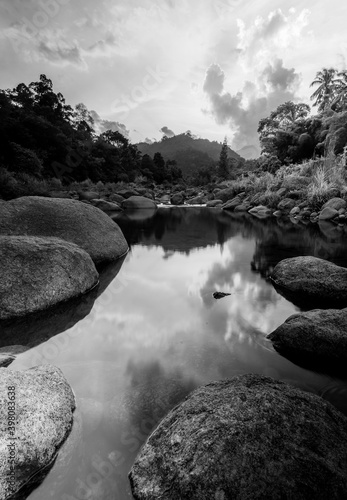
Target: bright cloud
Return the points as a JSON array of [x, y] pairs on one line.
[[103, 54]]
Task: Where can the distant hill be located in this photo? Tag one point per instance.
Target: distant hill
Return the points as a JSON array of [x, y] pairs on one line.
[[190, 154], [249, 152]]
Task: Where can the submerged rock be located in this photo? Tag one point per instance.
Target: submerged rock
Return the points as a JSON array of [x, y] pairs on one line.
[[37, 273], [70, 220], [250, 437], [138, 202], [214, 203], [315, 339], [311, 282], [43, 403]]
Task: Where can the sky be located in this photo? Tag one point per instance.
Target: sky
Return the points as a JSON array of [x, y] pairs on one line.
[[154, 67]]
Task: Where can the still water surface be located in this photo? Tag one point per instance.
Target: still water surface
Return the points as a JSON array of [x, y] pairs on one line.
[[156, 333]]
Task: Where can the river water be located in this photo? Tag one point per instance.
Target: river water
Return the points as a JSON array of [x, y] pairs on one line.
[[156, 333]]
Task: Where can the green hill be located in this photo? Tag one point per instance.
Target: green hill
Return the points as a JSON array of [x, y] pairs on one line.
[[190, 154]]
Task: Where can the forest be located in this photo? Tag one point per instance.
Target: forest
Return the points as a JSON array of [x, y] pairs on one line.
[[47, 142]]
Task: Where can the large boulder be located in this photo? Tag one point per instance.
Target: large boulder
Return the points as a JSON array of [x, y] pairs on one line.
[[250, 437], [286, 205], [231, 204], [88, 195], [106, 206], [70, 220], [260, 211], [225, 194], [117, 198], [315, 339], [197, 200], [214, 203], [128, 192], [37, 273], [177, 199], [42, 404], [328, 213], [336, 203], [311, 282], [135, 202]]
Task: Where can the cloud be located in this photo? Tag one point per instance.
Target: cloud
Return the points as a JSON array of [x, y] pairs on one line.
[[101, 125], [280, 78], [166, 131], [276, 32], [60, 52], [242, 112], [214, 80]]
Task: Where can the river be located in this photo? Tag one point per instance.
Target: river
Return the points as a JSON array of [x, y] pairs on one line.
[[156, 333]]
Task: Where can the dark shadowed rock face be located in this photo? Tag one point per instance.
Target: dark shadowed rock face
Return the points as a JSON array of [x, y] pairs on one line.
[[138, 202], [37, 273], [251, 437], [313, 281], [70, 220], [177, 199], [44, 405], [315, 339]]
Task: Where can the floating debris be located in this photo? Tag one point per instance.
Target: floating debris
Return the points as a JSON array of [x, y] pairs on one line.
[[220, 295]]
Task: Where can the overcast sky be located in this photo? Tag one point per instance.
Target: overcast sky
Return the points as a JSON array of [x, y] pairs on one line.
[[214, 67]]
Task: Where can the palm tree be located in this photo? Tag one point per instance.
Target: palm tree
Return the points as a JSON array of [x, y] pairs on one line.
[[326, 92], [340, 101]]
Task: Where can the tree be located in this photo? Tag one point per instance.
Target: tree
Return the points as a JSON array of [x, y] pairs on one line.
[[340, 101], [279, 133], [326, 92], [223, 163]]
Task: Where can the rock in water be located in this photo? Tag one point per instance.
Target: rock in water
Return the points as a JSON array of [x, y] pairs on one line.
[[311, 282], [138, 202], [37, 273], [250, 437], [43, 404], [220, 295], [315, 339], [70, 220]]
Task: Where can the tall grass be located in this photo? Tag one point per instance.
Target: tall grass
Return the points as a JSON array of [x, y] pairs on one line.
[[327, 173]]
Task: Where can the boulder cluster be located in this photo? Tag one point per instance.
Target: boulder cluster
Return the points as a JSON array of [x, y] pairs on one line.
[[253, 436]]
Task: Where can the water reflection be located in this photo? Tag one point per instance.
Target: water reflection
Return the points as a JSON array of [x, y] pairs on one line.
[[34, 329], [156, 333]]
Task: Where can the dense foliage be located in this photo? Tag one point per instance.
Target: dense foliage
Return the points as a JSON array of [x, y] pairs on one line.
[[290, 134], [44, 137]]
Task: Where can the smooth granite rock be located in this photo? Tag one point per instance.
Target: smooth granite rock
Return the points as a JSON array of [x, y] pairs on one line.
[[43, 404], [311, 282], [106, 206], [336, 203], [70, 220], [328, 213], [37, 273], [250, 437], [316, 339], [135, 202]]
